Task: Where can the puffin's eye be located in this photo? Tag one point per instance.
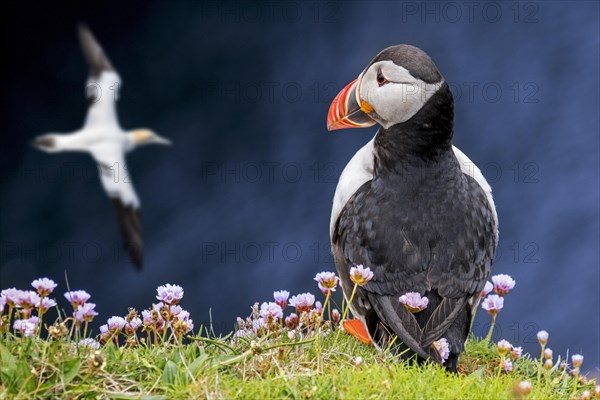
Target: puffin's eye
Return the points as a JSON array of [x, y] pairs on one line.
[[381, 80]]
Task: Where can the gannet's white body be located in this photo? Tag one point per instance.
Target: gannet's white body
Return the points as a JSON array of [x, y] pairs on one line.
[[107, 142]]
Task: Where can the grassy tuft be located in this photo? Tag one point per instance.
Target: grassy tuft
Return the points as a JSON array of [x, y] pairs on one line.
[[260, 367]]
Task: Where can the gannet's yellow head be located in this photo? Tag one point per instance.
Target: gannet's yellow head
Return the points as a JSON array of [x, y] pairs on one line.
[[140, 137]]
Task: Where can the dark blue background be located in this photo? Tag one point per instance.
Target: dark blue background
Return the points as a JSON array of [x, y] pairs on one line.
[[239, 206]]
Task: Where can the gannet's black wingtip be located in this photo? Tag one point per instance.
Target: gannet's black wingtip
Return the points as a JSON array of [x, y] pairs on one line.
[[82, 26], [129, 220], [92, 51]]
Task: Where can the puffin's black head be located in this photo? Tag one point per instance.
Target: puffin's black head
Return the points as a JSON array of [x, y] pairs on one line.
[[396, 84]]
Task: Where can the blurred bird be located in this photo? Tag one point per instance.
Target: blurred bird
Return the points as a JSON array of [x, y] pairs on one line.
[[411, 207], [107, 142]]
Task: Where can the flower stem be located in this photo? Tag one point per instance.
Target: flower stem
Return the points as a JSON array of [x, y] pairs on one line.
[[318, 334], [501, 366], [167, 324], [473, 318], [489, 334], [10, 311], [540, 365], [40, 316], [85, 328], [346, 308], [325, 306]]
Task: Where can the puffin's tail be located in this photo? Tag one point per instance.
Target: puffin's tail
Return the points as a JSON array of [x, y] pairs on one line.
[[448, 318], [444, 317], [403, 324]]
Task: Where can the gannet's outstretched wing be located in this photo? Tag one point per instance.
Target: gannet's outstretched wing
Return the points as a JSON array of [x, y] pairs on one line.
[[103, 84], [119, 188]]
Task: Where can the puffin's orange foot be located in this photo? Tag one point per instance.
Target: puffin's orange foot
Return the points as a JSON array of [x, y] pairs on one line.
[[356, 328]]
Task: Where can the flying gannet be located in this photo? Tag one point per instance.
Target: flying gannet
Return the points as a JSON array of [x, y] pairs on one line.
[[107, 142]]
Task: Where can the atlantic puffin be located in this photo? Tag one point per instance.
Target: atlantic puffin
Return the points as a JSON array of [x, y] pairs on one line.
[[103, 138], [411, 207]]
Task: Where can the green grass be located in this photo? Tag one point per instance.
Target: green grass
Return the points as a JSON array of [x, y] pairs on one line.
[[32, 368]]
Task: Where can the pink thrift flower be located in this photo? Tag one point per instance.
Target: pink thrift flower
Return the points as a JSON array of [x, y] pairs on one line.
[[169, 294], [158, 307], [281, 298], [44, 286], [542, 337], [185, 324], [104, 333], [443, 347], [327, 282], [292, 321], [116, 324], [18, 324], [487, 289], [271, 312], [493, 304], [577, 360], [414, 302], [147, 318], [27, 299], [10, 296], [85, 312], [507, 366], [183, 315], [46, 303], [548, 353], [504, 347], [319, 306], [153, 320], [77, 297], [502, 284], [174, 310], [133, 325], [335, 316], [2, 304], [241, 333], [360, 275], [258, 325], [26, 327], [90, 343], [302, 302], [516, 352], [240, 323]]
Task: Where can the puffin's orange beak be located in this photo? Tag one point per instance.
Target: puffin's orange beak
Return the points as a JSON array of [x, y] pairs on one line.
[[346, 112]]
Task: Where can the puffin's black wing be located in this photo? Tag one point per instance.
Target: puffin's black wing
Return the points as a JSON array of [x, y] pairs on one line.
[[441, 246]]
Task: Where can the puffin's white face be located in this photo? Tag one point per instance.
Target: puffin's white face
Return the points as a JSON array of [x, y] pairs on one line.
[[390, 95]]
